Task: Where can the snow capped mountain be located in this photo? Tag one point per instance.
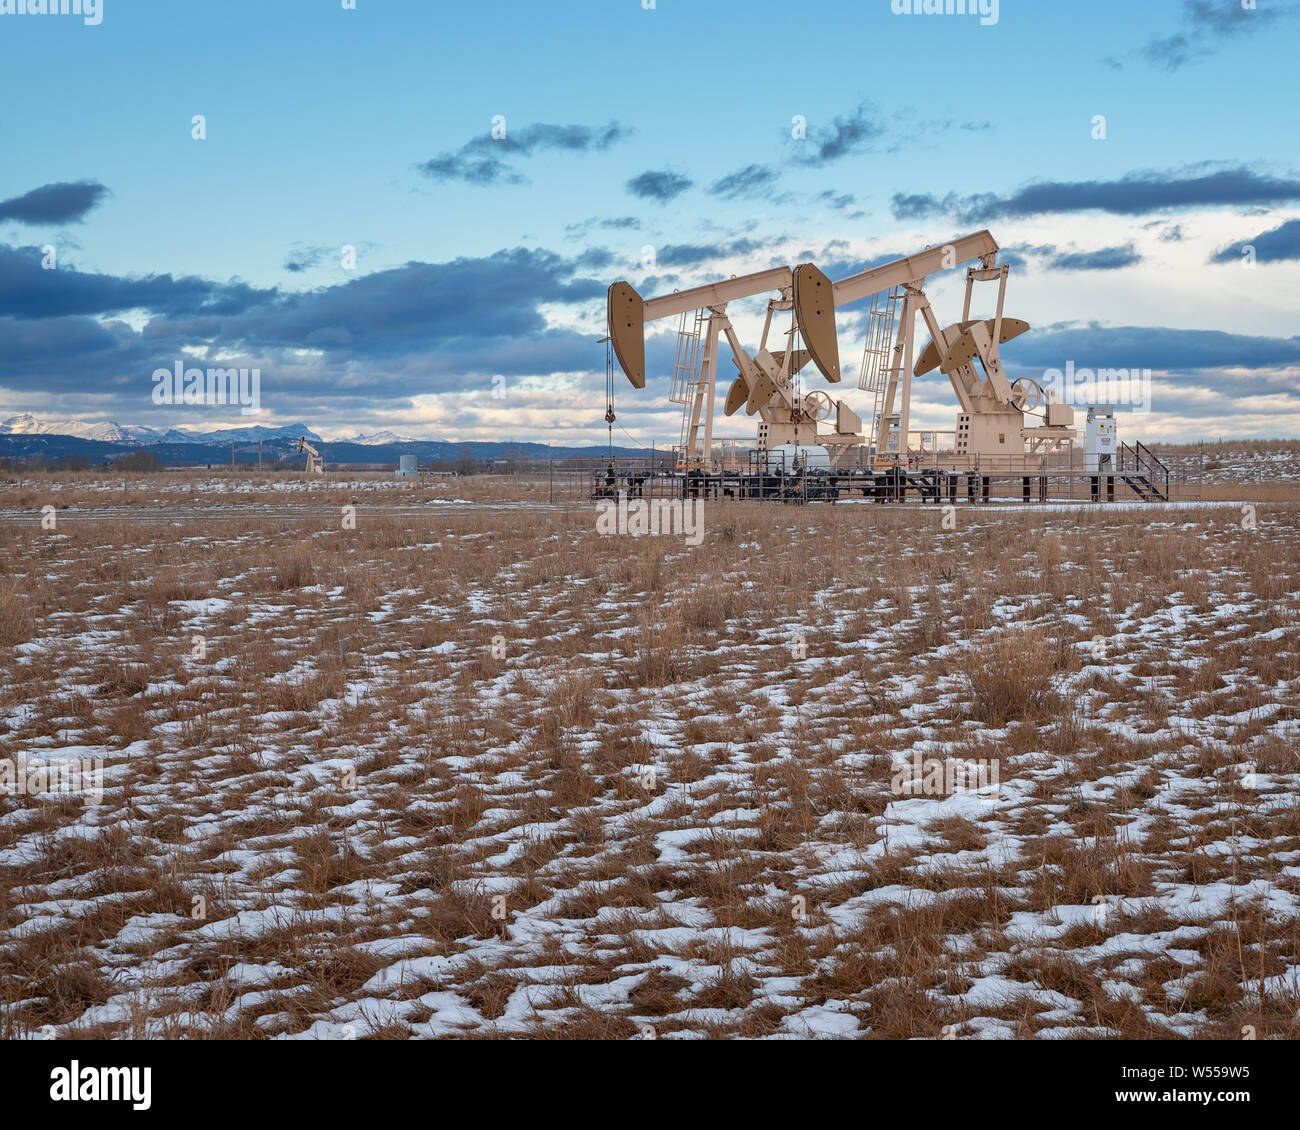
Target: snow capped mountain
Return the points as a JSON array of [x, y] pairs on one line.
[[250, 434], [26, 424], [374, 438], [110, 431]]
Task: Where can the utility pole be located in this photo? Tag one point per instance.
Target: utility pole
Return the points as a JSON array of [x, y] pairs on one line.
[[259, 455]]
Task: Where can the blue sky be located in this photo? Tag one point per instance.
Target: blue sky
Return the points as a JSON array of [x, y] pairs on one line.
[[625, 128]]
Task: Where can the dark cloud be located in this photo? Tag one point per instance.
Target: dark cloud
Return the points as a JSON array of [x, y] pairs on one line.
[[1166, 231], [1103, 259], [420, 327], [692, 254], [916, 205], [62, 203], [472, 169], [542, 135], [751, 181], [838, 200], [849, 134], [1205, 26], [304, 258], [1137, 194], [595, 259], [27, 291], [1274, 246], [1152, 347], [658, 185], [414, 306], [483, 160]]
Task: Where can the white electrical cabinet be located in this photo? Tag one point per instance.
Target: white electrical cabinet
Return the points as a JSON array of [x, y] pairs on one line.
[[1102, 443]]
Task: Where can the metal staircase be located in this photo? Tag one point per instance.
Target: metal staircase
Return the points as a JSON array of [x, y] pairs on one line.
[[1143, 472]]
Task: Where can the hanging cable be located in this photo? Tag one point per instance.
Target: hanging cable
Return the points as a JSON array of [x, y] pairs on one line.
[[609, 393]]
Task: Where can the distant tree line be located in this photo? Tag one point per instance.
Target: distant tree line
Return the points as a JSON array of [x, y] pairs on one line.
[[135, 461]]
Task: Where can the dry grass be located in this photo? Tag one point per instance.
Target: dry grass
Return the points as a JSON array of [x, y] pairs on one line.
[[16, 623], [475, 771], [1015, 677]]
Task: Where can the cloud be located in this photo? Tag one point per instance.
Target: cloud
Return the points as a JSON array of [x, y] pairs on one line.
[[417, 328], [62, 203], [837, 200], [304, 258], [470, 168], [1206, 24], [1152, 347], [1274, 246], [369, 344], [595, 259], [614, 223], [483, 159], [751, 181], [658, 185], [918, 205], [1136, 194], [27, 291], [848, 134], [1103, 259], [692, 254]]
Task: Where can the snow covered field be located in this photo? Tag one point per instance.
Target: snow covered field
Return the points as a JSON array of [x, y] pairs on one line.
[[478, 771]]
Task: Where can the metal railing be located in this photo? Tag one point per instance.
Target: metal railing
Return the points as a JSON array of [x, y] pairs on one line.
[[1142, 461], [743, 474]]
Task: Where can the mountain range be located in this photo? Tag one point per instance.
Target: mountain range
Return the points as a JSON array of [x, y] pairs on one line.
[[26, 437], [110, 431]]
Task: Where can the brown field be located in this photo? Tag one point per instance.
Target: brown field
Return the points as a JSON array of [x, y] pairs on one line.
[[470, 769]]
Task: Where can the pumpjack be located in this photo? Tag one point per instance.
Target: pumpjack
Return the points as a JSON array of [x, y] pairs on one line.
[[993, 409], [315, 464], [991, 421]]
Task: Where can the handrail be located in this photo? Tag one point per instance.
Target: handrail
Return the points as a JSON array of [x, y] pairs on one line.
[[1151, 455], [1146, 464], [1156, 463]]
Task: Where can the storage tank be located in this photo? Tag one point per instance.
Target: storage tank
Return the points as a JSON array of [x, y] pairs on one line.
[[408, 467]]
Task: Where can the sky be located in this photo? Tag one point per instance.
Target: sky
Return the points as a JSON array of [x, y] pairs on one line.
[[406, 213]]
